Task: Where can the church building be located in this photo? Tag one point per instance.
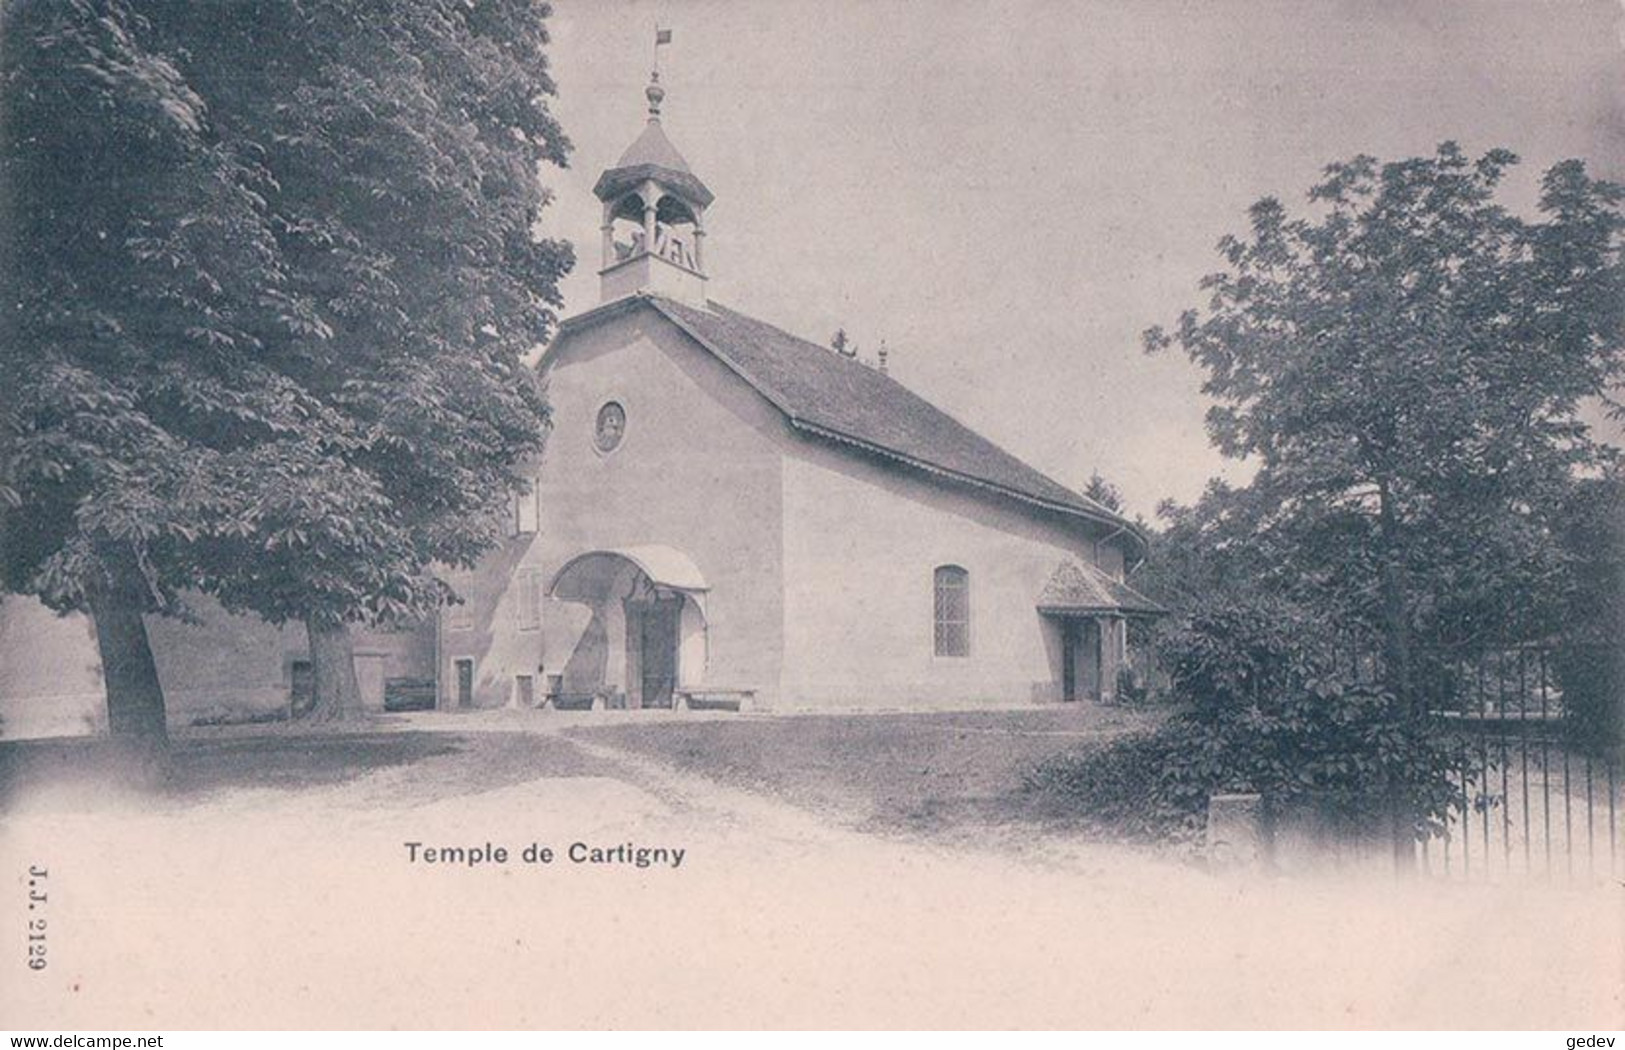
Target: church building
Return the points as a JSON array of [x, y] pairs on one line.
[[724, 515]]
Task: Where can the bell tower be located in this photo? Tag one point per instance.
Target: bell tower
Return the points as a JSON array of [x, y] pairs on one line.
[[654, 217]]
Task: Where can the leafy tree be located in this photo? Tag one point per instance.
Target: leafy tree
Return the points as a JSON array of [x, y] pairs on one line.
[[1405, 364], [137, 271], [404, 145], [1590, 661], [273, 272], [1103, 492]]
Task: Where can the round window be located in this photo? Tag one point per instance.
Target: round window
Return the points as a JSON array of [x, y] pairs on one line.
[[611, 427]]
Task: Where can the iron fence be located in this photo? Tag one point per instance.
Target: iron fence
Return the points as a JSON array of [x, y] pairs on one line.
[[1537, 798]]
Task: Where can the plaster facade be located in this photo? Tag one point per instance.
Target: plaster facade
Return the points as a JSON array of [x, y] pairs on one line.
[[862, 540], [817, 559], [698, 469]]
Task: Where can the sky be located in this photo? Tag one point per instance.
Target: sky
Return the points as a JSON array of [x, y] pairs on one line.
[[1008, 192]]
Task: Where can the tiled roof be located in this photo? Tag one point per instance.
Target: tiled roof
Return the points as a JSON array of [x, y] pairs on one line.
[[841, 399], [651, 156], [1075, 587], [653, 147]]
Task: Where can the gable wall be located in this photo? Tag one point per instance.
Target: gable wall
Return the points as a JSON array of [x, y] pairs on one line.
[[698, 470]]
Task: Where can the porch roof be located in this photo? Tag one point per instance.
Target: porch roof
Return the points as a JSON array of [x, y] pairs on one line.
[[1076, 587], [665, 566]]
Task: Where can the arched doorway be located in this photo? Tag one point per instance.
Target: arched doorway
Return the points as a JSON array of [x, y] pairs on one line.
[[645, 638]]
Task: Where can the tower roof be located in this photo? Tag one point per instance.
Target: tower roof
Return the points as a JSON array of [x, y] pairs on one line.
[[652, 156]]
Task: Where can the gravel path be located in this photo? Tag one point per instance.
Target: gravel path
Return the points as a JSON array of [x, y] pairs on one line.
[[276, 890]]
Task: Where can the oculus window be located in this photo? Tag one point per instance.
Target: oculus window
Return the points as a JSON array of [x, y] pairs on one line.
[[610, 428]]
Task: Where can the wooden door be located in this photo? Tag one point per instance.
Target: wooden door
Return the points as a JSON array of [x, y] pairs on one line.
[[465, 683], [657, 651], [1089, 658], [1080, 659], [1069, 659]]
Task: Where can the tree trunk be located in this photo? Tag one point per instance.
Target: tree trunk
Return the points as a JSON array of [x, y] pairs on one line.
[[1398, 671], [332, 665], [135, 699]]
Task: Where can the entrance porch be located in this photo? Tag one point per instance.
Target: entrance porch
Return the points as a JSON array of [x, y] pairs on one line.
[[640, 639], [1089, 611]]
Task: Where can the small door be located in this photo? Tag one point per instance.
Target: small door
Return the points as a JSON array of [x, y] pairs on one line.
[[1069, 659], [1080, 659], [465, 683], [1088, 659], [657, 651]]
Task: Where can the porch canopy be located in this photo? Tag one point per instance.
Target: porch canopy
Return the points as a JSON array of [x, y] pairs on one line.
[[1080, 589], [583, 578]]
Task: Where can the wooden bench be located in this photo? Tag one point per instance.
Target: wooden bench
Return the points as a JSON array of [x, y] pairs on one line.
[[581, 701], [704, 698], [708, 698]]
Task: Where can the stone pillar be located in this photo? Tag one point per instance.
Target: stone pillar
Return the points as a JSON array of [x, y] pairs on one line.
[[1111, 655], [699, 243], [651, 203], [608, 232], [1236, 837]]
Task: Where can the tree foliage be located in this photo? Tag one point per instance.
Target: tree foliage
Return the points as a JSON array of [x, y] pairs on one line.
[[404, 146], [1406, 364], [1104, 492], [270, 279], [1267, 712]]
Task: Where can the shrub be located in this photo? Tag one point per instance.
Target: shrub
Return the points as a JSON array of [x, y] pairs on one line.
[[1261, 711], [1592, 678], [1119, 788]]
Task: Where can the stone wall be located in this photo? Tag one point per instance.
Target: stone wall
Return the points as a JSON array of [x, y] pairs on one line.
[[215, 668]]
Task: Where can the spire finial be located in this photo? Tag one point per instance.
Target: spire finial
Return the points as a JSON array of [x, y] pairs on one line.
[[655, 94]]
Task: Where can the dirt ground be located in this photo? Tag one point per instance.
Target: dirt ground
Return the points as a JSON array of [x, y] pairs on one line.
[[269, 885], [944, 775]]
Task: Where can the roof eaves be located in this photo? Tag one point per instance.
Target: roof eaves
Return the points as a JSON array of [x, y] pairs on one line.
[[716, 352], [570, 325], [932, 468], [1102, 610], [1101, 517]]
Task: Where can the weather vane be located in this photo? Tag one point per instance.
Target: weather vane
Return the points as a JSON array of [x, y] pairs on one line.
[[662, 36]]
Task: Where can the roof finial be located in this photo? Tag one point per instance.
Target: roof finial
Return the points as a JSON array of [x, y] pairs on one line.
[[654, 92]]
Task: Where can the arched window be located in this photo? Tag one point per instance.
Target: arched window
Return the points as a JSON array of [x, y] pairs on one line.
[[951, 601]]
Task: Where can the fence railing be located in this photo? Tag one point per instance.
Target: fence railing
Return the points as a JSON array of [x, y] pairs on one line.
[[1537, 799], [1530, 806], [1537, 774]]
